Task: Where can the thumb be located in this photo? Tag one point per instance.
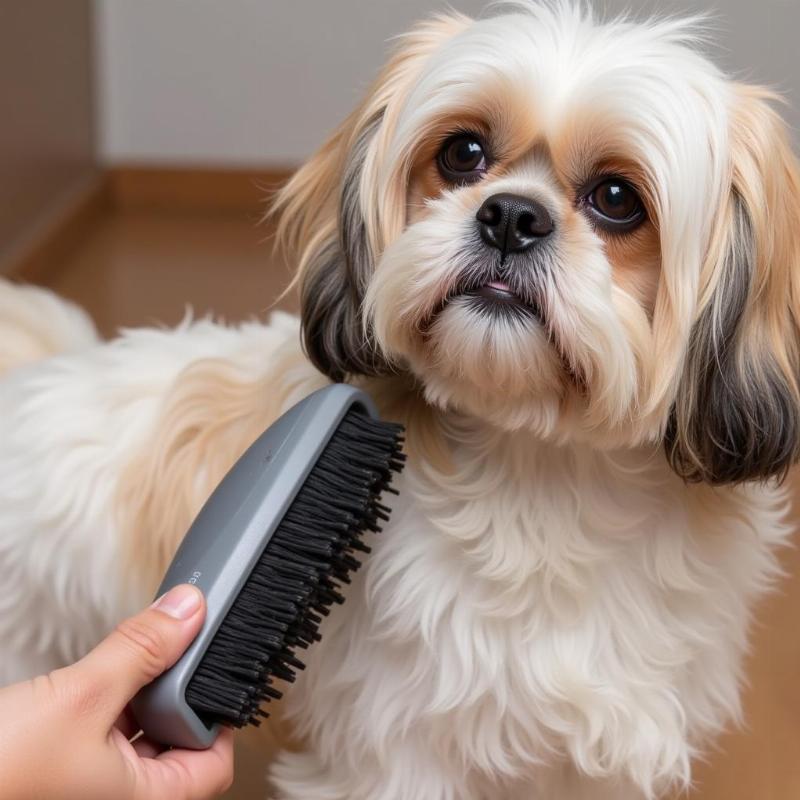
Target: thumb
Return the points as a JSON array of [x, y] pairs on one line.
[[142, 647]]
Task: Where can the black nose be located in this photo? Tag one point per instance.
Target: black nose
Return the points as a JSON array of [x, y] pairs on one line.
[[513, 223]]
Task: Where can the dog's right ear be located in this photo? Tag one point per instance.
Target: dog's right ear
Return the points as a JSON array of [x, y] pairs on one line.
[[335, 218]]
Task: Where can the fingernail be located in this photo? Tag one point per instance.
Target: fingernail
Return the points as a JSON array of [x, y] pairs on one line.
[[180, 602]]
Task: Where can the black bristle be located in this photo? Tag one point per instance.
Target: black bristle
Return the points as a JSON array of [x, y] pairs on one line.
[[296, 580]]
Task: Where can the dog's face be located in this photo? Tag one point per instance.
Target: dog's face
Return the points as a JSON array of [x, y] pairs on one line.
[[578, 229]]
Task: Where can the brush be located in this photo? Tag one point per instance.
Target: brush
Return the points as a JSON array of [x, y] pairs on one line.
[[270, 551]]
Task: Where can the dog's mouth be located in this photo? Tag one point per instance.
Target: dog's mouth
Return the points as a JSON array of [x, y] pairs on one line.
[[497, 297], [492, 298]]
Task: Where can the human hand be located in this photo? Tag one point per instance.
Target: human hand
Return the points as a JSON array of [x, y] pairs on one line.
[[67, 735]]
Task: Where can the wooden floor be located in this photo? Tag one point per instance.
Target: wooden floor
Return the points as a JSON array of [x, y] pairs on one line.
[[141, 267]]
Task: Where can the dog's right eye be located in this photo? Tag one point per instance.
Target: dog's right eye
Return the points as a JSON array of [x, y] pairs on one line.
[[462, 158]]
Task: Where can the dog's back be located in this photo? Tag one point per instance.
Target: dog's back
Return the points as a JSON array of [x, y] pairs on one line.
[[35, 324]]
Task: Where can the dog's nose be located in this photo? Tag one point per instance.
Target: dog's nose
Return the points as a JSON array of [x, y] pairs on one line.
[[513, 223]]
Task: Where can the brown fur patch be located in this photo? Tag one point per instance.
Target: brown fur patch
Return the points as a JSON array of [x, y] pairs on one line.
[[210, 415]]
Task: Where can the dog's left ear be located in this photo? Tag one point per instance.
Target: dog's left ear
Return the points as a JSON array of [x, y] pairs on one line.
[[341, 207], [737, 413]]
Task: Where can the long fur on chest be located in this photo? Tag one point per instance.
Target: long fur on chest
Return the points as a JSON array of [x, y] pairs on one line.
[[540, 603]]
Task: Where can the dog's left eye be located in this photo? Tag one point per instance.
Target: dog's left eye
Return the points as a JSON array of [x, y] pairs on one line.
[[614, 205], [462, 158]]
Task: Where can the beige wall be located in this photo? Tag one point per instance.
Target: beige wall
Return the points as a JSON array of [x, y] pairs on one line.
[[46, 116], [264, 81], [238, 81]]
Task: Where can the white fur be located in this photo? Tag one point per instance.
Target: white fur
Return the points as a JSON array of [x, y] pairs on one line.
[[35, 324], [547, 621], [541, 607], [68, 427], [554, 619]]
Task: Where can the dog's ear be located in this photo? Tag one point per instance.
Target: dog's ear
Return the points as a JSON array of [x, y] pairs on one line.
[[339, 209], [736, 416], [323, 217]]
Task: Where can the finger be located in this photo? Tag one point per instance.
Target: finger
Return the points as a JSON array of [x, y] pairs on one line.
[[192, 774], [127, 723], [142, 647], [146, 748]]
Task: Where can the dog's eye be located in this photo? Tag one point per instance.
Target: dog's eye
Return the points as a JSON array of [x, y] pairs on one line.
[[614, 204], [462, 158]]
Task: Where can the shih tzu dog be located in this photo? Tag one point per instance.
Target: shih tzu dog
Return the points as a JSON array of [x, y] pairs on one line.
[[565, 253]]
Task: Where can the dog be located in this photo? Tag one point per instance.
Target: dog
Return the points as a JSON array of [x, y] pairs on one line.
[[564, 252]]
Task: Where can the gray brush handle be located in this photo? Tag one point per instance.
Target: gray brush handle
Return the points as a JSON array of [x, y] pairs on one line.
[[227, 539]]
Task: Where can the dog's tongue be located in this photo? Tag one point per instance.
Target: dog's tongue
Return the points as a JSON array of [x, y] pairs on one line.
[[501, 285]]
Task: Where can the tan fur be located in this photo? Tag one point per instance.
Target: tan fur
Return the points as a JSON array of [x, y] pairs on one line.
[[766, 175], [212, 415]]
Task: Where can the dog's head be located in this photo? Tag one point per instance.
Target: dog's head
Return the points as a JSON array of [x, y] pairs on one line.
[[581, 229]]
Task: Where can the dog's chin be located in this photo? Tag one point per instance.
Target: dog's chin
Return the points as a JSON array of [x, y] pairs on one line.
[[486, 352], [490, 321], [492, 333]]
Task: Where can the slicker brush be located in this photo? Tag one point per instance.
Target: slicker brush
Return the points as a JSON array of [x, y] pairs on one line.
[[270, 551]]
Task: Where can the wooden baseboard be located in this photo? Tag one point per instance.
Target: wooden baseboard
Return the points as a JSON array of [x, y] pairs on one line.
[[70, 219], [133, 189], [178, 189]]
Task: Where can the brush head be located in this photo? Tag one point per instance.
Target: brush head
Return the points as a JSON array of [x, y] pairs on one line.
[[270, 550], [312, 552]]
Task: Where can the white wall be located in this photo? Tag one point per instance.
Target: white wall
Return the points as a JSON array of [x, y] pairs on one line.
[[236, 80], [263, 81]]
